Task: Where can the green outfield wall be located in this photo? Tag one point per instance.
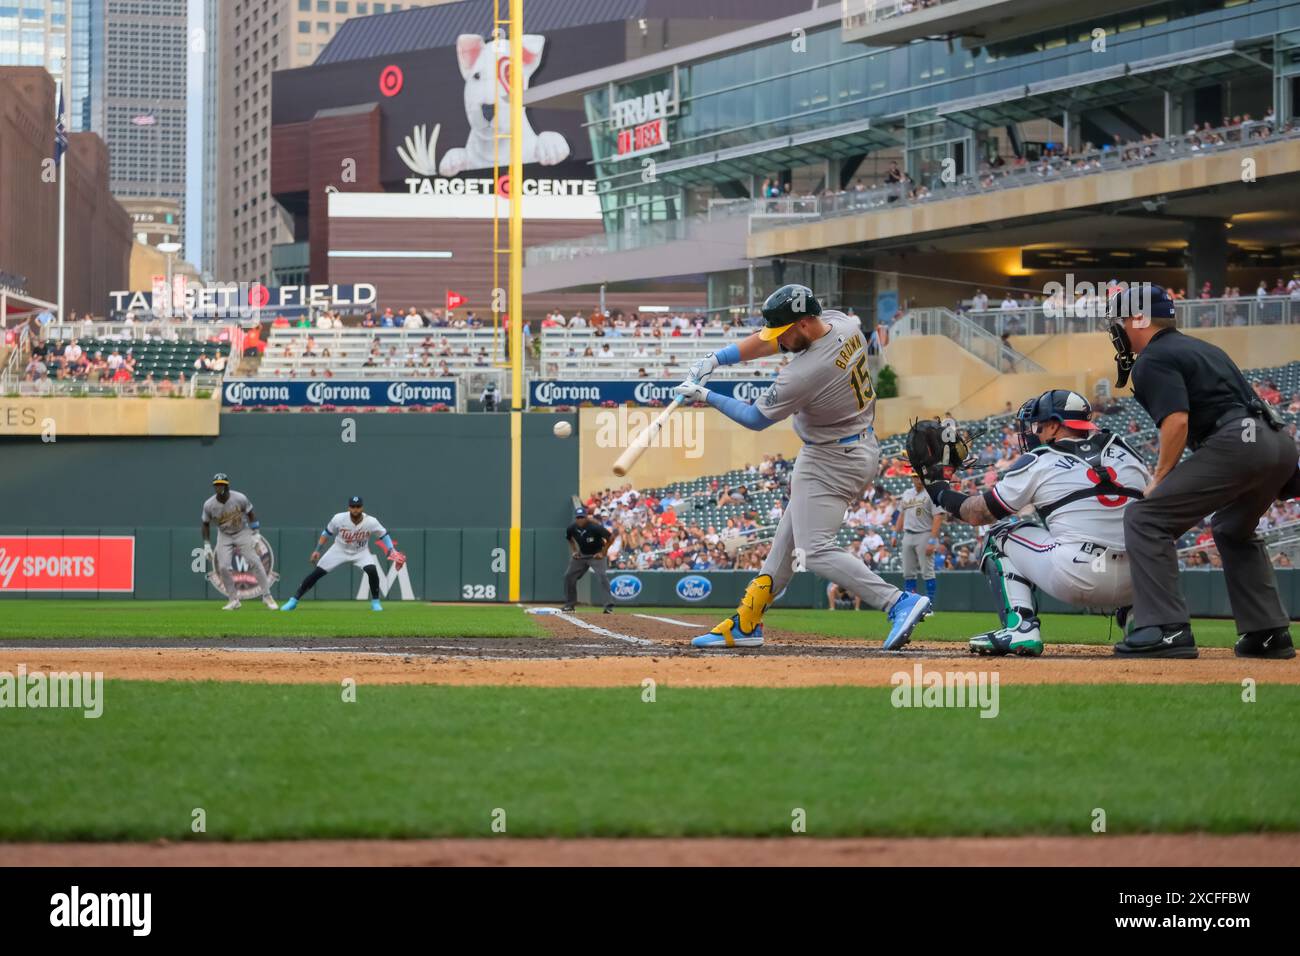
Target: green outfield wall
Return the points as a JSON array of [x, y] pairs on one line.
[[441, 483]]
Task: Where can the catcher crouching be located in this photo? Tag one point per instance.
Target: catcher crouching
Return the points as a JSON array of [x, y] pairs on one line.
[[1078, 479], [351, 531]]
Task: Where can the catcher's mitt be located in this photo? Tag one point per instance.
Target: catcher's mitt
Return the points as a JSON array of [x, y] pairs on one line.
[[936, 448]]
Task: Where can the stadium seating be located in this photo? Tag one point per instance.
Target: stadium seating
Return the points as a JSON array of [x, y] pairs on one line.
[[402, 352], [162, 359], [624, 356]]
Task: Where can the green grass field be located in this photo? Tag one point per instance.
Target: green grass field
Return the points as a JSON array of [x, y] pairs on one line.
[[267, 761], [205, 619]]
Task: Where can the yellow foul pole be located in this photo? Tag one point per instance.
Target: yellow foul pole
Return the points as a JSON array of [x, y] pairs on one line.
[[516, 291]]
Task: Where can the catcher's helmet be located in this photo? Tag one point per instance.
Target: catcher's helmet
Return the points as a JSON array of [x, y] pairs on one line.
[[1056, 405], [786, 306]]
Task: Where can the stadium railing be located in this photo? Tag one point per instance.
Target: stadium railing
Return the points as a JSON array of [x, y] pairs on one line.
[[774, 213], [861, 13], [970, 335], [1040, 319]]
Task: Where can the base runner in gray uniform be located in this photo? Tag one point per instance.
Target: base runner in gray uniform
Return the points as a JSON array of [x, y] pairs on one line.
[[827, 389], [918, 520], [237, 526]]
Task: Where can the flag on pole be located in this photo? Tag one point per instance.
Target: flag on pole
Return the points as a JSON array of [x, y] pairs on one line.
[[60, 133], [455, 300]]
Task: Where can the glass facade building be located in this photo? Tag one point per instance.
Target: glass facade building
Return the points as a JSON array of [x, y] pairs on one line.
[[804, 108]]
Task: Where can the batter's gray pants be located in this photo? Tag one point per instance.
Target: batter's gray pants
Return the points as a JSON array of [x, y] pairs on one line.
[[1237, 480], [580, 565], [826, 480], [230, 545], [914, 557]]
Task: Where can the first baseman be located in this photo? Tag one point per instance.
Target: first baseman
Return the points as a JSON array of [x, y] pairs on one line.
[[827, 388], [351, 531], [237, 526]]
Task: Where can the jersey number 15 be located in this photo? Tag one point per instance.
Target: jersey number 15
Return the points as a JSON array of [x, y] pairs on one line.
[[860, 381]]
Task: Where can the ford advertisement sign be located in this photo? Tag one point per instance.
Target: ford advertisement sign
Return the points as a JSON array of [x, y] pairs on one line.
[[625, 587], [550, 393], [694, 588], [302, 394]]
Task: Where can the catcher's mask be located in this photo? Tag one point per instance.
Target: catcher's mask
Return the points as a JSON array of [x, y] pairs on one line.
[[1142, 302], [1056, 405], [1025, 426]]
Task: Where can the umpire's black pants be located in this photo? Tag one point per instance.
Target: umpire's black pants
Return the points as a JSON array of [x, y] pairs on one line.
[[1235, 478], [579, 564]]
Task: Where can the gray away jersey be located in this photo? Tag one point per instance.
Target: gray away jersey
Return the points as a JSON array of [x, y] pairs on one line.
[[231, 517], [826, 387], [918, 511]]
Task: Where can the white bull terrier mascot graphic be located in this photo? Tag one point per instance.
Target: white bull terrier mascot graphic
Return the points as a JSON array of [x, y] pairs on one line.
[[483, 64]]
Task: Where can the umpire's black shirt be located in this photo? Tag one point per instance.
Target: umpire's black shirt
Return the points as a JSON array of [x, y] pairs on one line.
[[1178, 373], [590, 539]]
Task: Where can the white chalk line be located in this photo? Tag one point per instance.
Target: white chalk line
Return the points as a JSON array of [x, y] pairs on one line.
[[668, 620], [604, 631]]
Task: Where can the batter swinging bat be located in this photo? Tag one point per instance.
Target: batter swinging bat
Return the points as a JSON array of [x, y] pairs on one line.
[[642, 440]]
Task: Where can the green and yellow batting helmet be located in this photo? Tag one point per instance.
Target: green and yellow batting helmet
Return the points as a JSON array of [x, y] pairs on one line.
[[786, 306]]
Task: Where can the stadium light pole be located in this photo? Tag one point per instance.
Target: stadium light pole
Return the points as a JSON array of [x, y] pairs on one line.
[[516, 291]]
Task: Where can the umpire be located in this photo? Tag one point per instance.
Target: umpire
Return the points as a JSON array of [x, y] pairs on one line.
[[1240, 461], [588, 543]]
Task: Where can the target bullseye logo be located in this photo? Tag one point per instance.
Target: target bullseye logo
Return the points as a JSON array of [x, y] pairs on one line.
[[390, 80], [258, 295], [503, 186]]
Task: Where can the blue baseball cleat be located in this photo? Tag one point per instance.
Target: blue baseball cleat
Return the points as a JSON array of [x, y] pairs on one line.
[[729, 634], [375, 605], [289, 605], [907, 612]]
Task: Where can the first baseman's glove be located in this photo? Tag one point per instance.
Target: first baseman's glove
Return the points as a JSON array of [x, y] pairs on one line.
[[692, 392], [936, 448], [702, 370], [397, 558]]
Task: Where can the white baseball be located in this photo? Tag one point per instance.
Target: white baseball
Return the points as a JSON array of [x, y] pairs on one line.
[[562, 429]]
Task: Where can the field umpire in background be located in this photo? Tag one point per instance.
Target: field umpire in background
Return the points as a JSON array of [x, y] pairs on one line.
[[1241, 460], [588, 543]]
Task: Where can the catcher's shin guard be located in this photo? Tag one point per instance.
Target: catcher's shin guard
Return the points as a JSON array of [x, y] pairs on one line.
[[745, 627], [1013, 593]]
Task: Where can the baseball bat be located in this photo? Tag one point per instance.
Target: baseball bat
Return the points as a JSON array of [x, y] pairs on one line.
[[642, 441]]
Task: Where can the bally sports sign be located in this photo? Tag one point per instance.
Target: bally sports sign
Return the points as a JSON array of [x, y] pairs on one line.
[[55, 562], [247, 394], [643, 392]]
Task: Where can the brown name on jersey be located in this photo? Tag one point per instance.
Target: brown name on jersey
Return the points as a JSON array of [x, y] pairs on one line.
[[848, 349]]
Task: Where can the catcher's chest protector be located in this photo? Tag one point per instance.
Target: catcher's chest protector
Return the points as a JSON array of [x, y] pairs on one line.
[[1090, 452]]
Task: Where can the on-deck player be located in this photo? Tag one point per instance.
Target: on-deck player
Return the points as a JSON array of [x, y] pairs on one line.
[[237, 526], [827, 388], [918, 522], [1080, 480], [351, 531]]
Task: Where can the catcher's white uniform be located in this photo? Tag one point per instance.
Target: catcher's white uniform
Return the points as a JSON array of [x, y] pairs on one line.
[[1077, 553], [351, 541]]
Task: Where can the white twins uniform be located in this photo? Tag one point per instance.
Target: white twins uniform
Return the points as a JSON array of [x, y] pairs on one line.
[[1079, 557], [351, 541]]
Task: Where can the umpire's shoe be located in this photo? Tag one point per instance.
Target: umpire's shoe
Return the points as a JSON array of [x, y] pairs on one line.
[[1157, 640], [1273, 644]]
